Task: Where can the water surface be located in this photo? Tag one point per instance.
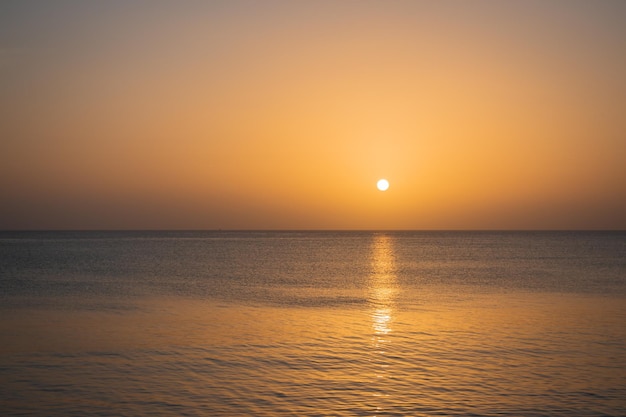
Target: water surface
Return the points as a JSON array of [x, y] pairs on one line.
[[313, 323]]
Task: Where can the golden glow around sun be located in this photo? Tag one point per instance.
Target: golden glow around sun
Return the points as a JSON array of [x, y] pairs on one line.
[[382, 184]]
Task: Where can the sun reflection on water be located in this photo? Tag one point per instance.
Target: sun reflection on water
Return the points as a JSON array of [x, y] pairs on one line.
[[382, 290], [382, 285]]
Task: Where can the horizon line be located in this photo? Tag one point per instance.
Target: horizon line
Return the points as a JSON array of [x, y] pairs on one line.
[[311, 230]]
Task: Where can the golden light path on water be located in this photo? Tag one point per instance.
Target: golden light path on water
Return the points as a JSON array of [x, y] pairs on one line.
[[382, 291]]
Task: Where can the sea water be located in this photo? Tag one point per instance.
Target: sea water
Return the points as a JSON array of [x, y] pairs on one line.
[[313, 323]]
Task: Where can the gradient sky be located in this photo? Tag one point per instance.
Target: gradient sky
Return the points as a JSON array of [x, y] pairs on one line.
[[284, 114]]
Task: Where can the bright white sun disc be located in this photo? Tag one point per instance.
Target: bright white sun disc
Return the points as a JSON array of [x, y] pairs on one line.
[[382, 185]]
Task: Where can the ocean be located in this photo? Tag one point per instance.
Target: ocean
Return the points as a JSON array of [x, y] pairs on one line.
[[234, 323]]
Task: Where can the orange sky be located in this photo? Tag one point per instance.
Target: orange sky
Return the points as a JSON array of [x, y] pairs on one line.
[[283, 115]]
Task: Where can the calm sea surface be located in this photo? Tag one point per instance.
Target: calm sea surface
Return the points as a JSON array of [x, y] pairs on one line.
[[313, 323]]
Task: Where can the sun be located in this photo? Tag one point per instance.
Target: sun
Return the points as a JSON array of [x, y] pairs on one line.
[[382, 184]]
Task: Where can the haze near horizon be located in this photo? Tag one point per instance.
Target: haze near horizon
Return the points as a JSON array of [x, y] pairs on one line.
[[284, 115]]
